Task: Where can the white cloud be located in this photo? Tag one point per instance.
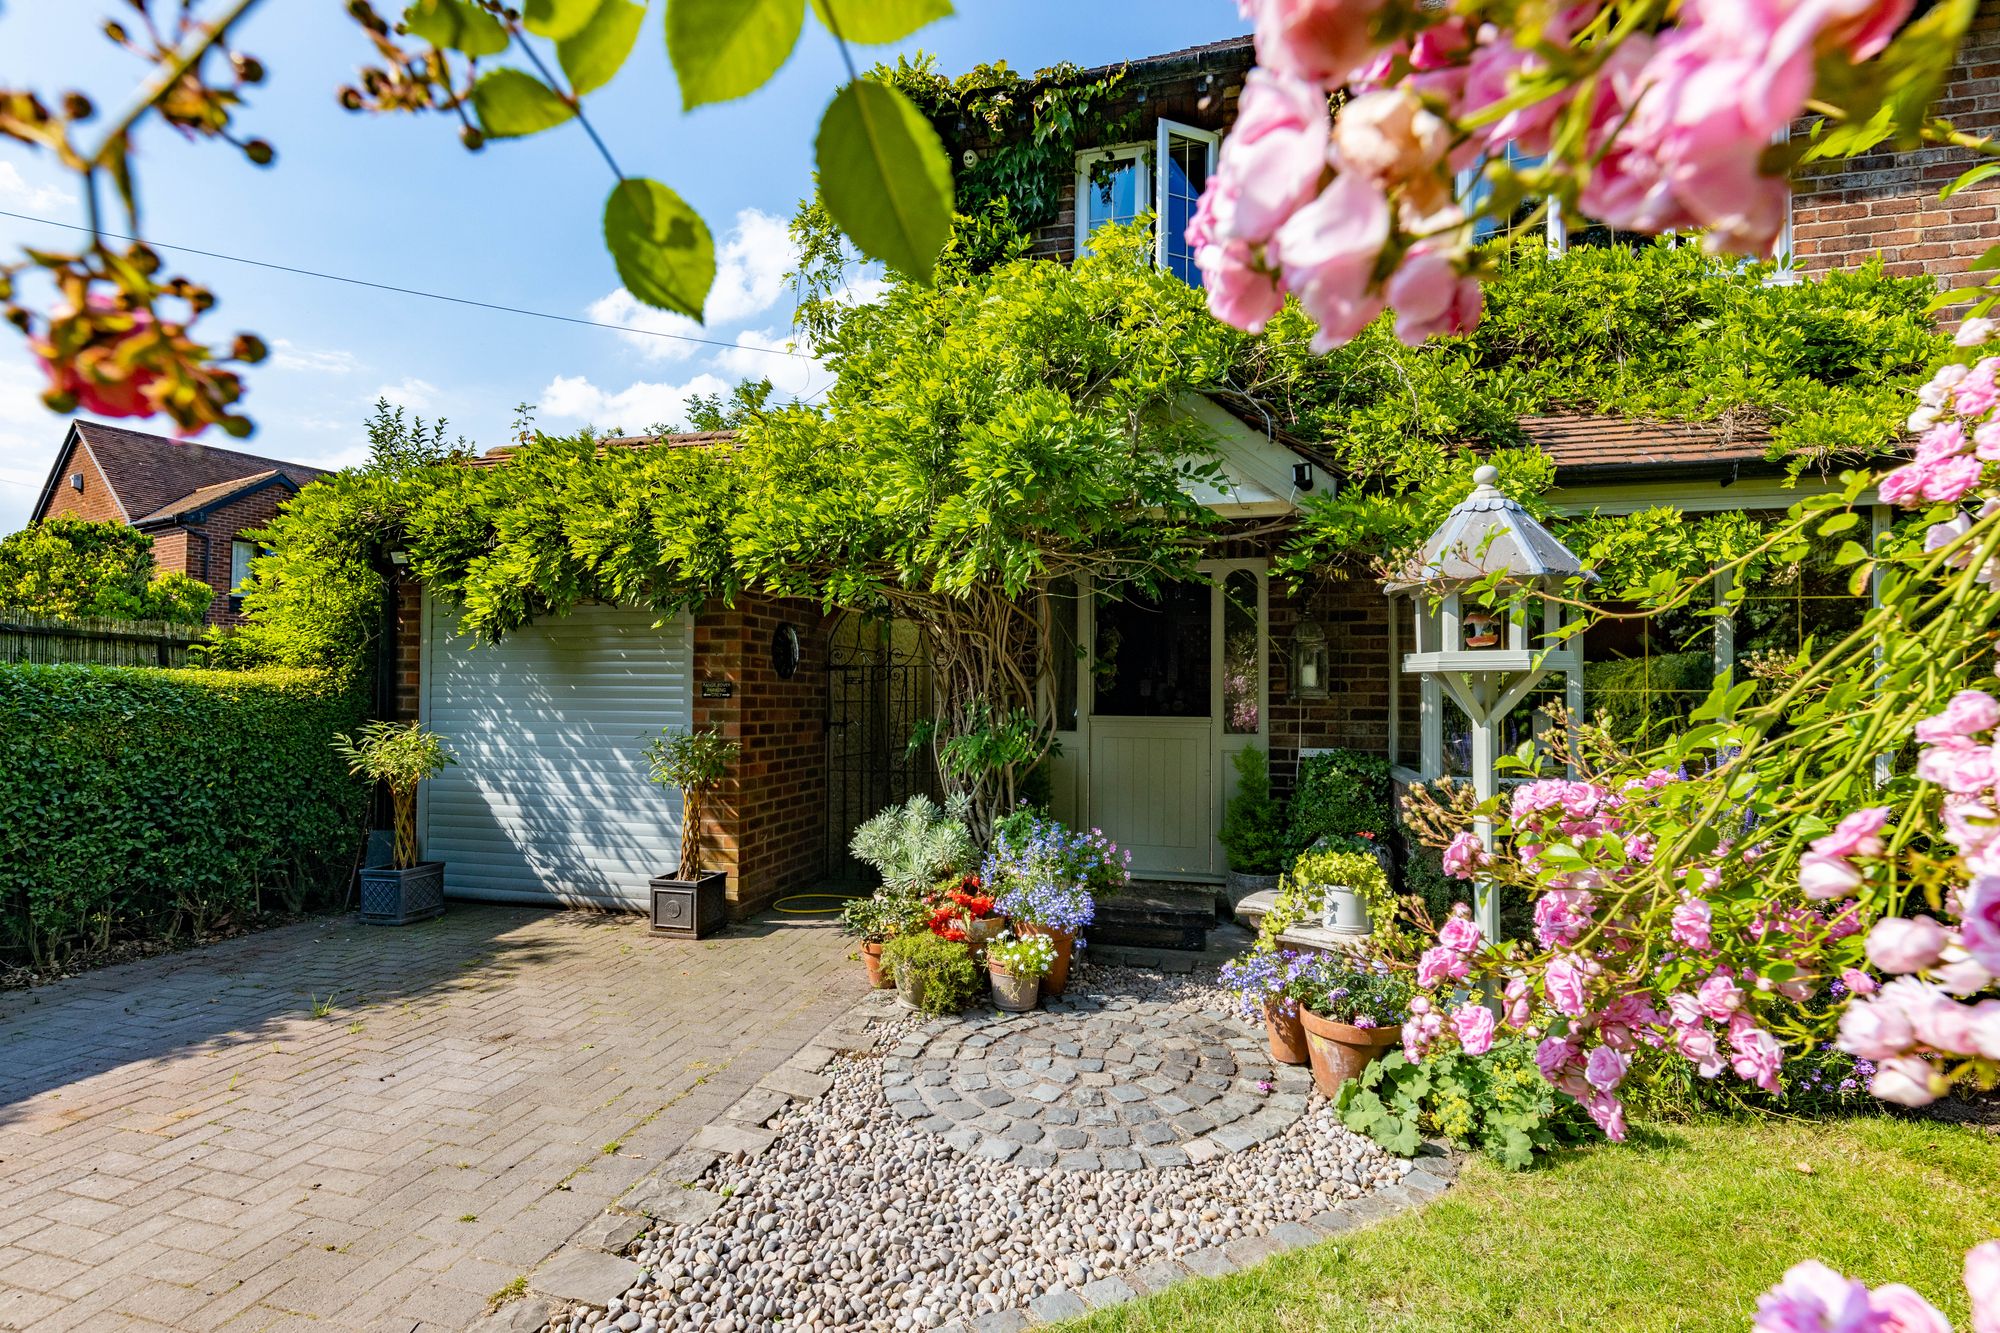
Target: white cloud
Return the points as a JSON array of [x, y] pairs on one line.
[[750, 273], [288, 355], [29, 437], [411, 392], [634, 408], [15, 190], [791, 376]]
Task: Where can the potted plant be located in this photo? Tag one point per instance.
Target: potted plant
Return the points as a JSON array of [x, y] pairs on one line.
[[963, 913], [1253, 829], [691, 903], [1349, 884], [1045, 879], [877, 919], [1017, 964], [399, 756], [915, 844], [1261, 981], [1352, 1014], [933, 975]]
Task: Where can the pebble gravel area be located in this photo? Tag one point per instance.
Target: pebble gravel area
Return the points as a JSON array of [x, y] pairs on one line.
[[858, 1217]]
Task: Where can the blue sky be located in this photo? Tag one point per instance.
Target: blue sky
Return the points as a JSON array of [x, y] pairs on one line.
[[398, 201]]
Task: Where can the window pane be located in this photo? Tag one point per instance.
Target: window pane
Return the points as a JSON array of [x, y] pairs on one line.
[[1643, 675], [1151, 657], [1186, 174], [240, 556], [1065, 649], [1474, 189], [1112, 193], [1242, 677]]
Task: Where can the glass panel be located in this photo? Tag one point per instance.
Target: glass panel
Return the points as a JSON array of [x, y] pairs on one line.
[[1114, 191], [1643, 675], [1065, 649], [1242, 674], [1186, 173], [1475, 188], [1151, 657], [1791, 607], [240, 556]]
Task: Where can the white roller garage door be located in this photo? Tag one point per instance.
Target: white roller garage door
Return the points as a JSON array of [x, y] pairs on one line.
[[549, 802]]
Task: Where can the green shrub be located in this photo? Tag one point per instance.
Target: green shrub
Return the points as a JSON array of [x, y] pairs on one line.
[[1339, 792], [141, 803], [1498, 1103], [943, 967], [1253, 827]]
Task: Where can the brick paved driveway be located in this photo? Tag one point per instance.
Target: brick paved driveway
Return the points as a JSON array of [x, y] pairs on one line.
[[191, 1143]]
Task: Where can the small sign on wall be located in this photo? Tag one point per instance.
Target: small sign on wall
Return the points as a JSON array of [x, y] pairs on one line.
[[718, 689]]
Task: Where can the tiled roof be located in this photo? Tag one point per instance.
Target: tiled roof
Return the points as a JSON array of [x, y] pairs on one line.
[[208, 495], [152, 472], [499, 454], [1576, 441], [1228, 51]]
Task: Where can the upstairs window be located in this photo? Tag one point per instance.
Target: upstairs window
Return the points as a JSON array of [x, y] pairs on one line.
[[1165, 178]]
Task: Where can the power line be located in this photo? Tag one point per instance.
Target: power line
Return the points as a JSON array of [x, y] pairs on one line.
[[412, 291]]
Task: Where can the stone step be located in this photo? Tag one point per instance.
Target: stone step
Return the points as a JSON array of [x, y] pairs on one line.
[[1156, 915]]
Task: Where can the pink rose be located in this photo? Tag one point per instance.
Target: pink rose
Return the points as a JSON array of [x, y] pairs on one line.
[[1322, 41], [1958, 766], [1903, 1311], [1950, 478], [1553, 1055], [1977, 393], [1905, 944], [1275, 158], [1982, 1284], [1902, 486], [1609, 1113], [1906, 1080], [1328, 250], [1565, 983], [1856, 835], [1876, 1028], [1431, 296], [1719, 996], [1756, 1057], [1388, 136], [1461, 933], [1986, 441], [1974, 332], [1698, 1045], [1561, 917], [1692, 922], [1944, 440], [1968, 713], [1823, 877], [1439, 964], [1938, 536], [1812, 1298], [1979, 923], [1474, 1024], [1984, 1030], [1419, 1032], [1518, 1004], [1970, 827], [1239, 293], [1464, 855], [1605, 1069]]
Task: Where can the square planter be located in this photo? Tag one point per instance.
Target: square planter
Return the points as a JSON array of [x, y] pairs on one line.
[[392, 897], [691, 909]]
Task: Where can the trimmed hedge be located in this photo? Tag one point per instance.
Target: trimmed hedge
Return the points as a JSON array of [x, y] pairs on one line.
[[141, 803]]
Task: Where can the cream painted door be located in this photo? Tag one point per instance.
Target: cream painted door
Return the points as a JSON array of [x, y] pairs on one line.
[[1152, 790]]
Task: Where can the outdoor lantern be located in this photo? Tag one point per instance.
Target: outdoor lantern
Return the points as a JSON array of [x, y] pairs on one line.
[[1310, 665], [1487, 663]]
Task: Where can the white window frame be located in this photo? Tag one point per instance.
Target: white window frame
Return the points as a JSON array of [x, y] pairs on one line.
[[1141, 154], [1163, 136]]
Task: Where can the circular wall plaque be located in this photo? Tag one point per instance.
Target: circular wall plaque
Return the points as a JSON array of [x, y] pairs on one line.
[[785, 650]]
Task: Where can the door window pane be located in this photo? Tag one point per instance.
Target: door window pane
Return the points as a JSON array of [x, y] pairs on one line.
[[1185, 173], [1242, 668], [1151, 657]]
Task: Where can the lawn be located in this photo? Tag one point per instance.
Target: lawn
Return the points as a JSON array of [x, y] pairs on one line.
[[1679, 1229]]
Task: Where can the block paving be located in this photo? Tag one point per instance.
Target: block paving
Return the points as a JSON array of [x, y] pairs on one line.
[[330, 1126]]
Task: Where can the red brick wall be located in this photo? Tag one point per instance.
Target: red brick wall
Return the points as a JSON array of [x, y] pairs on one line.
[[1355, 712], [1886, 202], [409, 648], [208, 545], [94, 503]]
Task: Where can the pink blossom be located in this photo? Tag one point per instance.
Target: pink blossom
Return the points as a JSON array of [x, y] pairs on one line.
[[1692, 923], [1239, 292], [1756, 1056], [1944, 440], [1940, 535], [1982, 1284], [1950, 478], [1553, 1055], [1474, 1024], [1979, 923], [1986, 441], [1518, 1007], [1464, 855], [1968, 713], [1328, 250], [1957, 765], [1823, 877], [1875, 1028], [1812, 1298], [1856, 835], [1419, 1032], [1275, 157], [1902, 486], [1970, 827], [1430, 295], [1984, 1030], [1698, 1045], [1903, 1311], [1609, 1113], [1720, 996], [1605, 1069], [1439, 963], [1461, 933], [1388, 136], [1562, 916], [1565, 983], [1905, 944], [1906, 1080], [1322, 41], [1974, 332], [1857, 981], [1977, 394]]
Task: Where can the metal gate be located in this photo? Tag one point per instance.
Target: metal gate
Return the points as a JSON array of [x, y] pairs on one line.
[[878, 690]]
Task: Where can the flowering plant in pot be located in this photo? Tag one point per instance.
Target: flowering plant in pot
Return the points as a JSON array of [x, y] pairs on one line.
[[1042, 877], [1017, 964], [933, 975], [1261, 980], [962, 912], [1353, 891], [690, 902], [399, 756], [1351, 1014], [879, 918]]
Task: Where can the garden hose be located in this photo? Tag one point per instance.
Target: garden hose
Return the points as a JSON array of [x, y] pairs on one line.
[[840, 900]]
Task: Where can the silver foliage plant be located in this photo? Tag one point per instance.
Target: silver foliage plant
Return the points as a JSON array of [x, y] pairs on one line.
[[917, 843]]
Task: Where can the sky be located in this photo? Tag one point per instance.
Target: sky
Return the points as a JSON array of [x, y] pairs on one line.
[[398, 201]]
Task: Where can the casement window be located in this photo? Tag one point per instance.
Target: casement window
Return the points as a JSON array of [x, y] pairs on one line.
[[241, 553], [1165, 178]]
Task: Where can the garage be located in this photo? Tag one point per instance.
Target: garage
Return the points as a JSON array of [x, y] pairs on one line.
[[548, 802]]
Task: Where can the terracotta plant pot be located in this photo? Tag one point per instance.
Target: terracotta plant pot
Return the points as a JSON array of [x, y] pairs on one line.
[[1287, 1036], [871, 958], [1017, 995], [1339, 1052], [1065, 943], [982, 932]]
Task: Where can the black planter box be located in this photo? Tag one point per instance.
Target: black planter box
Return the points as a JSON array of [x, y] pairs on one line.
[[392, 897], [690, 910]]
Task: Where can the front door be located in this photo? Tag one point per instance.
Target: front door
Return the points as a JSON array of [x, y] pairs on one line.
[[1174, 685]]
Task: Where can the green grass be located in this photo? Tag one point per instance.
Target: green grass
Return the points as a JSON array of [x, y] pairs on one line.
[[1680, 1229]]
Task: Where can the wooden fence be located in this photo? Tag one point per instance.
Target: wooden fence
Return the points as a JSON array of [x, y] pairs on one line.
[[152, 643]]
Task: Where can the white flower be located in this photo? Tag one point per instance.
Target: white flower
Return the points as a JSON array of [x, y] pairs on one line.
[[1975, 331]]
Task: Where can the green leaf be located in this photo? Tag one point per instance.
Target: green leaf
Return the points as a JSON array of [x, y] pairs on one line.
[[558, 19], [512, 102], [873, 22], [663, 249], [884, 177], [594, 54], [725, 49], [1985, 171], [456, 25]]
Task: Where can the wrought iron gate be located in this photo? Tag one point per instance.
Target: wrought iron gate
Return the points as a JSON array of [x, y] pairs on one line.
[[878, 690]]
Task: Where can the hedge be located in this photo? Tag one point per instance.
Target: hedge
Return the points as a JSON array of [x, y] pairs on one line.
[[141, 803]]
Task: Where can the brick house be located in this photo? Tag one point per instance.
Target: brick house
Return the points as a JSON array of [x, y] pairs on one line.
[[823, 708], [194, 500]]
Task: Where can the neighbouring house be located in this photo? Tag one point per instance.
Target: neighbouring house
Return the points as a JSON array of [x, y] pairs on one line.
[[197, 502], [548, 801]]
